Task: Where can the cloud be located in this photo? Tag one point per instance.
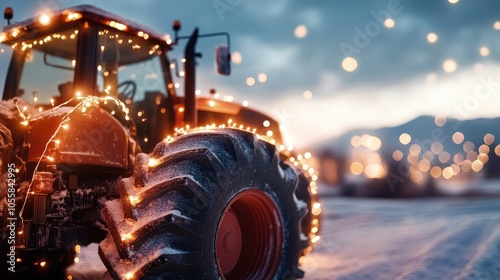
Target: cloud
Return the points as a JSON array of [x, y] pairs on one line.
[[268, 56], [271, 9], [389, 85], [469, 93]]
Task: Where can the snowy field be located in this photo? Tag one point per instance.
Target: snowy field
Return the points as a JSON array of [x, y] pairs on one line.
[[442, 238]]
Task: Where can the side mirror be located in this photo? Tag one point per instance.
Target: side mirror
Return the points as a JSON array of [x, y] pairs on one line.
[[223, 60]]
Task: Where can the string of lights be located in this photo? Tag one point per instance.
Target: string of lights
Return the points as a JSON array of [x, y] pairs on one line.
[[85, 102]]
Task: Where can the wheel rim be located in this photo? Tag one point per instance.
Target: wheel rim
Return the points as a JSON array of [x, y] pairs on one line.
[[249, 237]]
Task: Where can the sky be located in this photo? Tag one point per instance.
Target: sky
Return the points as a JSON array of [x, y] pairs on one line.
[[300, 46]]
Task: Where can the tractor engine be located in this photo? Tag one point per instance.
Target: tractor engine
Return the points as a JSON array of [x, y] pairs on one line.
[[76, 156]]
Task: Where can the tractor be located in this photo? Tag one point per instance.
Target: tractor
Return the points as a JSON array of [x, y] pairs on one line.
[[97, 147]]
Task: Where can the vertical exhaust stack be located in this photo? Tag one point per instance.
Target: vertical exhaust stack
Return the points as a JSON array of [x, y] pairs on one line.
[[190, 113], [223, 59]]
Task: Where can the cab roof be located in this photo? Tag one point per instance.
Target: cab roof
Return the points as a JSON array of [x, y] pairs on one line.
[[51, 21]]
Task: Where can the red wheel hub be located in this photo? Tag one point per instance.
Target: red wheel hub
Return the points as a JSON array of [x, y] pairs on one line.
[[249, 237], [229, 243]]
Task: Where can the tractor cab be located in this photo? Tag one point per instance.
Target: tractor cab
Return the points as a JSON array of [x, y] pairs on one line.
[[85, 51]]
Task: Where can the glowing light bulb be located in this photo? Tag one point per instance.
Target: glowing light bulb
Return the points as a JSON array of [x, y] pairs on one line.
[[153, 162], [44, 19]]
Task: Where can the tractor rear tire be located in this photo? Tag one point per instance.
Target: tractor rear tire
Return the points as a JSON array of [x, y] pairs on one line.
[[217, 204], [304, 194]]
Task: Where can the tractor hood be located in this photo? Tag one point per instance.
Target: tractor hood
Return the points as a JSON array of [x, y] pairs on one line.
[[84, 136]]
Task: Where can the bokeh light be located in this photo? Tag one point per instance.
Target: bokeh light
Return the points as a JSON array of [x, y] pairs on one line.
[[458, 158], [437, 148], [250, 81], [483, 158], [236, 58], [404, 138], [415, 149], [440, 120], [375, 171], [450, 66], [447, 172], [262, 77], [472, 155], [389, 23], [424, 165], [357, 168], [484, 149], [466, 166], [417, 177], [489, 139], [484, 51], [373, 143], [356, 141], [436, 172], [307, 95], [349, 64], [468, 146], [432, 37], [397, 155], [428, 155], [496, 25], [444, 157], [458, 137], [477, 165], [300, 31]]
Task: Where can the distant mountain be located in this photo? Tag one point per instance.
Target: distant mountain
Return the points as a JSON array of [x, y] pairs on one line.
[[424, 132]]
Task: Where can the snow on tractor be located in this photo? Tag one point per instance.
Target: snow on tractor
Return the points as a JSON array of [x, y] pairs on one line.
[[172, 187]]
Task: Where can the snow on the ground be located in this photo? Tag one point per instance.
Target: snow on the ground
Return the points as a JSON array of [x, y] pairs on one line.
[[438, 238], [445, 238], [89, 265]]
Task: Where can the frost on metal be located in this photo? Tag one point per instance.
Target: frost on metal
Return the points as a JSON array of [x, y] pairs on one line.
[[87, 9], [56, 112], [9, 109]]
